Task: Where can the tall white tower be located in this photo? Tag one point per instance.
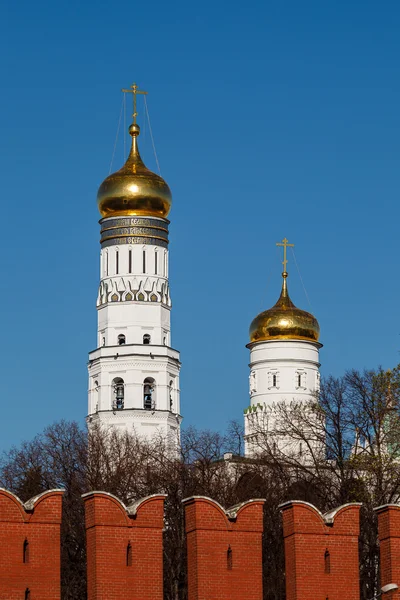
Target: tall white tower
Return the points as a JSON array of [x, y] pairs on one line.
[[284, 367], [134, 371]]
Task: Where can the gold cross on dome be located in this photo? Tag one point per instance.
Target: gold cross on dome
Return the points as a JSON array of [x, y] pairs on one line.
[[134, 91], [285, 244]]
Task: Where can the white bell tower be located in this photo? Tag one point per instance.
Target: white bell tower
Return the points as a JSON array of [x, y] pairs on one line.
[[134, 371], [284, 367]]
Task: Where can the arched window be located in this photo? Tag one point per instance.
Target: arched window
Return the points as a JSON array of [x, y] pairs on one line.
[[165, 340], [25, 554], [129, 555], [301, 377], [229, 558], [144, 260], [27, 594], [130, 261], [171, 396], [318, 381], [95, 395], [273, 379], [119, 394], [165, 264], [116, 261], [121, 339], [146, 338], [155, 261], [253, 382], [149, 386], [106, 265]]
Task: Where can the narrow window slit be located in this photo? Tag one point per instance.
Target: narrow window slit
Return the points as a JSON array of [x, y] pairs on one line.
[[327, 562], [26, 551], [129, 555], [229, 558]]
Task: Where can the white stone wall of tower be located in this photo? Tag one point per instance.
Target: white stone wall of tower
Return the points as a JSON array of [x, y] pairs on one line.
[[280, 371], [136, 266], [143, 324]]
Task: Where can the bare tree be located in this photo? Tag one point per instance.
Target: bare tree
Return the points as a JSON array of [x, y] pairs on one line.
[[341, 446]]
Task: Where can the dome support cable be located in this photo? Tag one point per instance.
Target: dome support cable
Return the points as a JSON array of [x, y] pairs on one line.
[[151, 135], [144, 129], [301, 279], [116, 137], [124, 127]]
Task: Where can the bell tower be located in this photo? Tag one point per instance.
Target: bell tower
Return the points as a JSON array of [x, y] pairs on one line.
[[134, 371], [284, 368]]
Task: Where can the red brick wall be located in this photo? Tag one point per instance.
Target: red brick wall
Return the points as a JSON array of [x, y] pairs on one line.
[[211, 532], [38, 522], [389, 540], [321, 552], [110, 527]]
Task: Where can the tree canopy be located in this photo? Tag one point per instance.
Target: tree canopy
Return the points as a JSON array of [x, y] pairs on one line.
[[354, 418]]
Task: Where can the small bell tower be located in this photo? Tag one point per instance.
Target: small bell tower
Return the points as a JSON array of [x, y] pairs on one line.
[[284, 368]]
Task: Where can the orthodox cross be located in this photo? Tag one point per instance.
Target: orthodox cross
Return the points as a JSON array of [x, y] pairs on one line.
[[285, 244], [134, 91]]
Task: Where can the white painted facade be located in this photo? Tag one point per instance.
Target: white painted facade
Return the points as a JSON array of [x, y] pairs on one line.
[[280, 371], [134, 371]]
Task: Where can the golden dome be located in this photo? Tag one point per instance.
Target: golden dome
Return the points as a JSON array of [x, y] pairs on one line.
[[134, 190], [284, 321]]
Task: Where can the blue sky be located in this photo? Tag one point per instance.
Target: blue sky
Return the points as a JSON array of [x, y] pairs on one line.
[[270, 119]]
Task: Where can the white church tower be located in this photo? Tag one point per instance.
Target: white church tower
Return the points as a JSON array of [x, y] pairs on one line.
[[284, 367], [134, 371]]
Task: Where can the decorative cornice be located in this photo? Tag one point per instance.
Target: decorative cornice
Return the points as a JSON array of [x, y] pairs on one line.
[[134, 230], [134, 288], [266, 361], [155, 415], [148, 366]]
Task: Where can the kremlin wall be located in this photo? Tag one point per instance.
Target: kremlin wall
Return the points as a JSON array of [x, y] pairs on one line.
[[224, 549]]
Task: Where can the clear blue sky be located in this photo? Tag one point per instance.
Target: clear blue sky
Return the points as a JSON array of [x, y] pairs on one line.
[[270, 119]]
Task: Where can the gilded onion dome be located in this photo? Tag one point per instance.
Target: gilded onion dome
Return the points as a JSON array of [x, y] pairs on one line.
[[134, 190], [284, 321]]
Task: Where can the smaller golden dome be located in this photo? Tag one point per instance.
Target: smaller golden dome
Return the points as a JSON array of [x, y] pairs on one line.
[[284, 321], [134, 190]]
